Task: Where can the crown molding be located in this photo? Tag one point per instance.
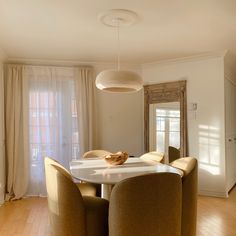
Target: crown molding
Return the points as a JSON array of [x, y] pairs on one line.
[[199, 57], [65, 62]]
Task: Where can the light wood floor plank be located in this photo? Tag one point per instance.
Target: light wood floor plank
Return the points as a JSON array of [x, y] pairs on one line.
[[26, 217], [217, 216], [29, 217]]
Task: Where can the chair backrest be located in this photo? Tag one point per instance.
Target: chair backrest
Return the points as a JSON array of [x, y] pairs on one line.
[[173, 153], [189, 195], [146, 205], [153, 156], [51, 161], [96, 153], [65, 203]]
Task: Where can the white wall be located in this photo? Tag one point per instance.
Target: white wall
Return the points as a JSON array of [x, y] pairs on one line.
[[120, 118], [205, 86], [2, 161]]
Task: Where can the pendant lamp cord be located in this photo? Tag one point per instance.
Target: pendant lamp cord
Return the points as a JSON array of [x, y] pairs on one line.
[[118, 43]]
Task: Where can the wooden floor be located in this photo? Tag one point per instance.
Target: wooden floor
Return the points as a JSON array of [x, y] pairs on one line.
[[29, 217], [217, 216]]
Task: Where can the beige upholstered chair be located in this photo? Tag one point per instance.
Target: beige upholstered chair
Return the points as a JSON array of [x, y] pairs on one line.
[[146, 205], [189, 196], [85, 188], [153, 156], [71, 213], [96, 153], [173, 153]]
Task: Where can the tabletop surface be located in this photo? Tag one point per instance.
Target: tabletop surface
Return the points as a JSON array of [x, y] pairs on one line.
[[98, 171]]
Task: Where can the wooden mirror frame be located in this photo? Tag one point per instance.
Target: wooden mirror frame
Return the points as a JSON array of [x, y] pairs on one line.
[[162, 93]]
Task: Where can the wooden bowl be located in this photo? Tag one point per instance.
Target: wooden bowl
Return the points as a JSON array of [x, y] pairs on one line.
[[118, 158]]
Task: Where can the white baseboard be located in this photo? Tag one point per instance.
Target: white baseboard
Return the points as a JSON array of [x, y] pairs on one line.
[[213, 194]]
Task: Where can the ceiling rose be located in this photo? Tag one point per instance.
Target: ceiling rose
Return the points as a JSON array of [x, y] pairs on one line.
[[126, 17]]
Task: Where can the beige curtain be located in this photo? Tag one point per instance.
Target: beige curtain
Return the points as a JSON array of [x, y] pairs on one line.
[[85, 99], [2, 156], [16, 132]]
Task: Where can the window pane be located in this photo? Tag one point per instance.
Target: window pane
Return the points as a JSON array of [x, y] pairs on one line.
[[160, 112], [174, 113], [174, 139], [160, 123], [160, 137], [49, 111], [174, 124], [167, 128]]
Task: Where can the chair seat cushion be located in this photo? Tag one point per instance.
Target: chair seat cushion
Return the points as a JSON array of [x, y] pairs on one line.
[[96, 215], [87, 189]]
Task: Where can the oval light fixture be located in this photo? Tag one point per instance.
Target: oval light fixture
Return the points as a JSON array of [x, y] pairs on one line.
[[118, 80]]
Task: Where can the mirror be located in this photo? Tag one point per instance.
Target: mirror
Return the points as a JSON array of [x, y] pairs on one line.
[[164, 127], [165, 117]]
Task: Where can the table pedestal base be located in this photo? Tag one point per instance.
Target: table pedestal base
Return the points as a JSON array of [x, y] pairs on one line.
[[106, 191]]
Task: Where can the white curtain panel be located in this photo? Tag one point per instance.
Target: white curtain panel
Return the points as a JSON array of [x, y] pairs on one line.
[[53, 122], [85, 100], [16, 131], [59, 118]]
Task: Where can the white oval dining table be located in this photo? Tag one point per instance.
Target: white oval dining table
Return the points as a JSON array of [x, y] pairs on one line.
[[99, 171]]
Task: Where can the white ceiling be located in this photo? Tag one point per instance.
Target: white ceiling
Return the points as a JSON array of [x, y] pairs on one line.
[[70, 30]]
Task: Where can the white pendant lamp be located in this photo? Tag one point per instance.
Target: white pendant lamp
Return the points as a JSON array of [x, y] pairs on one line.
[[118, 80]]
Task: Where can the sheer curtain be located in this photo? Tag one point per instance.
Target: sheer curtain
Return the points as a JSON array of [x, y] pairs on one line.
[[53, 121], [85, 101]]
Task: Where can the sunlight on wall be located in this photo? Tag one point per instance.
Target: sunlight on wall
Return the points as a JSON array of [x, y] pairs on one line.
[[209, 149]]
